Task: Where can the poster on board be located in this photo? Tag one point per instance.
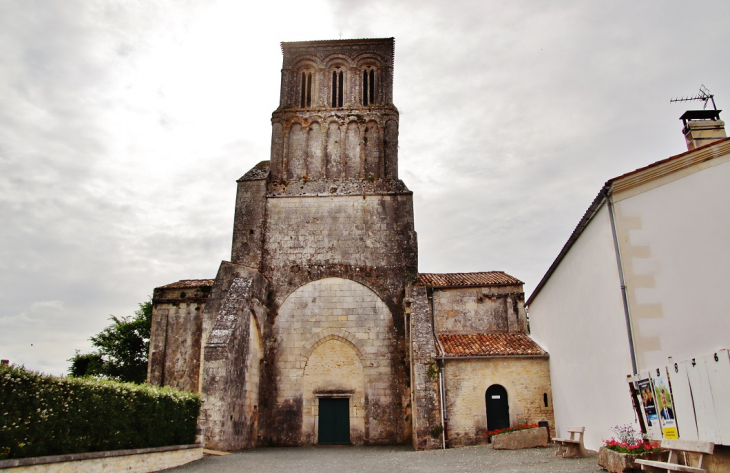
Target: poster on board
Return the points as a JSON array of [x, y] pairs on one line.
[[664, 407], [646, 394]]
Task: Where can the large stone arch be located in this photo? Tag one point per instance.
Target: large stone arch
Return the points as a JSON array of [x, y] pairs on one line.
[[330, 320]]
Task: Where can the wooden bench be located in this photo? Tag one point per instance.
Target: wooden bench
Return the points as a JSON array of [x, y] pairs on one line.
[[680, 448], [572, 447]]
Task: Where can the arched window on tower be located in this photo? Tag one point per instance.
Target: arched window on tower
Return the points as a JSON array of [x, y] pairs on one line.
[[337, 87], [306, 90], [368, 86]]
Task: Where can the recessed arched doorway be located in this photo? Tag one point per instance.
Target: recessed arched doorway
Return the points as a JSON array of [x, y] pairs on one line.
[[497, 407], [333, 360]]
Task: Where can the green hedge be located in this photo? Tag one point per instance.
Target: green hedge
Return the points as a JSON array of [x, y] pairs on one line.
[[45, 415]]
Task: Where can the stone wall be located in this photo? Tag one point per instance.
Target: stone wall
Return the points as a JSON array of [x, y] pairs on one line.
[[321, 58], [424, 378], [176, 334], [526, 380], [480, 310], [336, 117], [353, 230], [329, 144], [248, 221], [335, 337], [364, 238]]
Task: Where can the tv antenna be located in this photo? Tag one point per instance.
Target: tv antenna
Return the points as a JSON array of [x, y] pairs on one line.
[[704, 95]]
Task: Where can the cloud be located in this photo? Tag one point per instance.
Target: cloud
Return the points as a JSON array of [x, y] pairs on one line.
[[124, 126], [18, 319], [514, 114], [47, 305]]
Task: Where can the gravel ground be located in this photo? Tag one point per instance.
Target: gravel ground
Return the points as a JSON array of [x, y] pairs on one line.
[[398, 459]]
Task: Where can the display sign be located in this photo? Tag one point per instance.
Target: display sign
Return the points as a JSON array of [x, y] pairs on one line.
[[691, 393], [664, 406], [645, 391]]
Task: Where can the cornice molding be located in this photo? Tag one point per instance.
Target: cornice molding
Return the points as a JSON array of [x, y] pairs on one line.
[[670, 170]]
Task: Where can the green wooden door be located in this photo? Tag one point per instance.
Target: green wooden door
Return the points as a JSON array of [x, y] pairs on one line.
[[334, 421]]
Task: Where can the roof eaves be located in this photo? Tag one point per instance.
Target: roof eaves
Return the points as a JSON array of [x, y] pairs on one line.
[[461, 280]]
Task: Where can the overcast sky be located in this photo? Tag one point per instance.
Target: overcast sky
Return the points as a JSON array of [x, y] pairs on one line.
[[125, 124]]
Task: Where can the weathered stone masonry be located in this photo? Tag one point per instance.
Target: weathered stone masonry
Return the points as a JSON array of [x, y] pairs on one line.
[[333, 209], [176, 334], [313, 305]]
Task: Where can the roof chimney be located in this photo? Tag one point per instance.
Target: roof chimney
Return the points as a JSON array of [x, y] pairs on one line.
[[702, 127]]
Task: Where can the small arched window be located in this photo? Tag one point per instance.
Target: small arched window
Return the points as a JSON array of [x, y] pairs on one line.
[[368, 86], [306, 90], [337, 87]]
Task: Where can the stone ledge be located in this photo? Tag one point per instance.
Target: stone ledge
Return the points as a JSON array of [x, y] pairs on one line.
[[337, 187], [20, 462]]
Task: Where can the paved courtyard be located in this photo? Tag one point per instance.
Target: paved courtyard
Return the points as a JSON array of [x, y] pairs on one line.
[[399, 459]]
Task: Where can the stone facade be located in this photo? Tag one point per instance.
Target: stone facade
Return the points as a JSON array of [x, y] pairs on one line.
[[336, 337], [176, 334], [526, 380], [480, 309], [425, 388], [480, 326], [318, 300]]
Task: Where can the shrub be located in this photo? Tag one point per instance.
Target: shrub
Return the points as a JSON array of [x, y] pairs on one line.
[[511, 429], [46, 415]]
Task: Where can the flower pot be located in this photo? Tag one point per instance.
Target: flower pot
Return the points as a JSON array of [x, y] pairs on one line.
[[528, 438], [617, 462]]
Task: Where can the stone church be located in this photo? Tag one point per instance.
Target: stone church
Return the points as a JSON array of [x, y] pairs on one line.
[[320, 329]]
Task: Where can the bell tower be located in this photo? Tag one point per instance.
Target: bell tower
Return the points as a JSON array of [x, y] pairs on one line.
[[336, 118]]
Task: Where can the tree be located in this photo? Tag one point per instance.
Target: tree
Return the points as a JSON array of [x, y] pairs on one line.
[[121, 349], [86, 364]]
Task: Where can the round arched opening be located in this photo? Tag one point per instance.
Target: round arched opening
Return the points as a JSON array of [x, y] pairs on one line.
[[497, 407]]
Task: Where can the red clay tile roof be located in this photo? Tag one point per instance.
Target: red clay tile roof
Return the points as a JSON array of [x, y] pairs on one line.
[[490, 344], [189, 283], [490, 278]]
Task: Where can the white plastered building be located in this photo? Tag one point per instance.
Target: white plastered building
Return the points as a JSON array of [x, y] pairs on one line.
[[643, 277]]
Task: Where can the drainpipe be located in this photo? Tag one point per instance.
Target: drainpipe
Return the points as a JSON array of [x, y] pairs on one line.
[[442, 391], [629, 331]]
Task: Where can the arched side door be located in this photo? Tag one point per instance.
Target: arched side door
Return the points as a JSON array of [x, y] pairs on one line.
[[497, 407]]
